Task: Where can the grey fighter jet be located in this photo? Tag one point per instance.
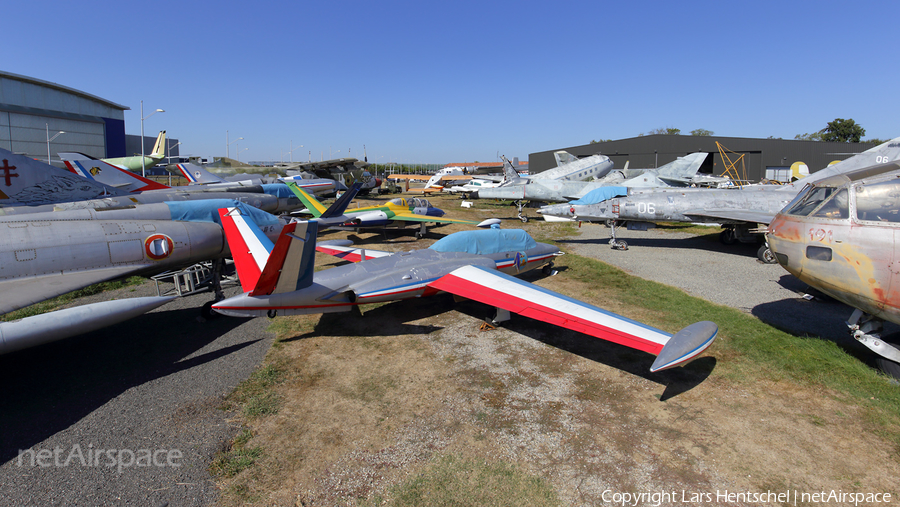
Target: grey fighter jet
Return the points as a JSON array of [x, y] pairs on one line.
[[43, 255], [740, 210], [677, 173]]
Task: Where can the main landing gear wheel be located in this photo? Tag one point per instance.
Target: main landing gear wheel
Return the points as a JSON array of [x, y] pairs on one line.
[[765, 255], [618, 244], [547, 270], [727, 237], [419, 235], [524, 219], [207, 312]]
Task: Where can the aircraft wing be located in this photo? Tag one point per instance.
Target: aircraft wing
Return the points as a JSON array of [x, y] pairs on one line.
[[734, 215], [30, 290], [412, 217], [503, 291], [342, 250]]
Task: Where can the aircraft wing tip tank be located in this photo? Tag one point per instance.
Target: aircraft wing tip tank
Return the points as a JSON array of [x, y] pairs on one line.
[[685, 345]]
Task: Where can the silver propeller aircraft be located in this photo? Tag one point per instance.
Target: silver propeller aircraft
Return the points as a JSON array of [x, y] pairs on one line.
[[839, 236], [280, 278], [739, 210], [680, 172], [551, 185]]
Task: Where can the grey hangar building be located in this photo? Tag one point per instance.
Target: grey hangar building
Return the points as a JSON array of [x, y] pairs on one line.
[[33, 111], [762, 158]]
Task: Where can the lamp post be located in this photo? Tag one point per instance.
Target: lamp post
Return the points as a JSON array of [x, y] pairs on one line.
[[50, 139], [293, 149], [143, 164], [227, 144], [238, 154], [169, 149]]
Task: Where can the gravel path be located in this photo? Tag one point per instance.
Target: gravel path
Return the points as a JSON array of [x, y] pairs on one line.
[[729, 275], [155, 382]]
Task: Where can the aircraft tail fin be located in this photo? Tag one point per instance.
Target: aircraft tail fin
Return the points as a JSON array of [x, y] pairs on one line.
[[197, 175], [683, 167], [510, 175], [159, 149], [93, 169], [563, 157], [264, 268], [24, 180], [339, 206], [312, 204]]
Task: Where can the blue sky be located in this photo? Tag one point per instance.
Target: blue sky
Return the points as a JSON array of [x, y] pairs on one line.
[[464, 80]]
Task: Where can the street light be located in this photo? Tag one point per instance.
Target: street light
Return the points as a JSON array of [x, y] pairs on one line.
[[50, 139], [169, 149], [227, 144], [292, 149], [143, 165], [238, 154]]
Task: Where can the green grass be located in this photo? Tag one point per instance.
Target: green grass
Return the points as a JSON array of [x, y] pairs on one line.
[[237, 458], [53, 304], [748, 350], [451, 480], [256, 396]]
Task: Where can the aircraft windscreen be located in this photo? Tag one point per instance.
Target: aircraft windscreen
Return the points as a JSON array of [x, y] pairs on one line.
[[838, 206], [878, 202], [809, 200], [399, 201]]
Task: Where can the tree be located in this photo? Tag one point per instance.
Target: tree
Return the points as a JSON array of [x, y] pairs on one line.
[[667, 131], [843, 131], [702, 132], [815, 136]]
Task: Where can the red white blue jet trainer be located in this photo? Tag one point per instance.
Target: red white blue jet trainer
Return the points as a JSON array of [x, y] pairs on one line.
[[476, 265]]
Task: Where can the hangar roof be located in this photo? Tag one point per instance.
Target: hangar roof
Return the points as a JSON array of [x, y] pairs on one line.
[[62, 88]]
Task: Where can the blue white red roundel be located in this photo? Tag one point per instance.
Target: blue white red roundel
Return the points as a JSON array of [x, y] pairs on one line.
[[158, 246]]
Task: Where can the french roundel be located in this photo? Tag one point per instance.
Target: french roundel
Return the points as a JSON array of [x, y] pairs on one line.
[[158, 246]]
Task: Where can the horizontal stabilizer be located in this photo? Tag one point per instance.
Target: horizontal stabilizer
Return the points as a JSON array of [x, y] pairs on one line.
[[685, 345], [343, 249]]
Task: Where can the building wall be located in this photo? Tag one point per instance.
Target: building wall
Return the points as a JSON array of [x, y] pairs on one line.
[[32, 110], [758, 154]]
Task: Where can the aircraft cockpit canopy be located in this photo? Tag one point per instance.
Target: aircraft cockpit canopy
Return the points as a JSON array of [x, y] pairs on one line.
[[415, 202], [875, 200]]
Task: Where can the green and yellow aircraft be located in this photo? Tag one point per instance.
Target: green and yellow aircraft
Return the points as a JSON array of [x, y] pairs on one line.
[[398, 212]]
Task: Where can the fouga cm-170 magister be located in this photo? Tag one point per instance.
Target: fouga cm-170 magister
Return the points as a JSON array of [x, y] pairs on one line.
[[279, 279]]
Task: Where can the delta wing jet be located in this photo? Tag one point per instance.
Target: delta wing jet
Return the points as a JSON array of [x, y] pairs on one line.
[[676, 173], [739, 210], [197, 175], [280, 279], [839, 235], [32, 186], [398, 212], [43, 255], [134, 183], [551, 185]]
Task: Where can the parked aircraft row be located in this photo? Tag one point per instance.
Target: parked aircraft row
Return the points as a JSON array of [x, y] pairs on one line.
[[63, 244]]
